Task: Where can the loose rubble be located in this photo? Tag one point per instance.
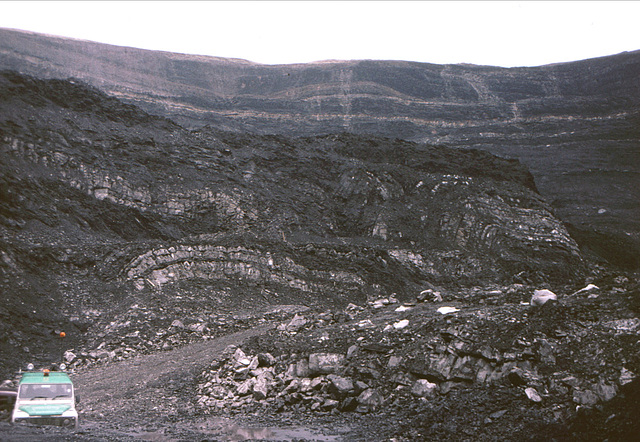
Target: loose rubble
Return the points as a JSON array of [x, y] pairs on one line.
[[436, 298], [388, 367]]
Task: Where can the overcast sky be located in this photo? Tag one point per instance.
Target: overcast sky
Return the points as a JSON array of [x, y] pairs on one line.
[[500, 33]]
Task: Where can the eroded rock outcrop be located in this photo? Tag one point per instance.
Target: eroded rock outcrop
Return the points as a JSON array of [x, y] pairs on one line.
[[546, 116], [106, 194]]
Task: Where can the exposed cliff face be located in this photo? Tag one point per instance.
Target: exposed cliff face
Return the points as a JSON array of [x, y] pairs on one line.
[[102, 202], [460, 104], [575, 125]]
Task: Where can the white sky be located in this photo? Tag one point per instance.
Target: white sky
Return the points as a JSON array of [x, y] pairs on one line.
[[504, 33]]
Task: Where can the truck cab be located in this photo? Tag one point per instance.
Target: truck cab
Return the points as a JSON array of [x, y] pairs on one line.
[[45, 398]]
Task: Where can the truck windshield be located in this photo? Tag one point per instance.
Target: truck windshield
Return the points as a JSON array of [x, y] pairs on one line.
[[47, 391]]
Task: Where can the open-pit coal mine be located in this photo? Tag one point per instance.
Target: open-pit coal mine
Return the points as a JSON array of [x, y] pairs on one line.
[[211, 277]]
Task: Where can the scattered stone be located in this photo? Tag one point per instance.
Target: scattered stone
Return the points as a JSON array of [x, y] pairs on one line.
[[266, 360], [297, 323], [369, 400], [424, 388], [626, 376], [316, 383], [604, 391], [394, 361], [197, 328], [447, 310], [620, 280], [329, 404], [377, 347], [401, 324], [177, 324], [541, 297], [546, 352], [69, 356], [532, 394], [260, 388], [366, 323], [244, 388], [498, 414], [325, 363], [585, 397], [340, 386], [380, 303], [588, 288], [302, 368], [429, 295], [360, 386]]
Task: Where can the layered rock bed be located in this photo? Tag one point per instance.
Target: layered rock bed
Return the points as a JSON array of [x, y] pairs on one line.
[[407, 287]]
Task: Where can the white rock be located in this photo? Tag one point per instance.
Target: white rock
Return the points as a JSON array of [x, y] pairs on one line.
[[446, 310], [177, 323], [403, 308], [588, 288], [533, 394], [431, 295], [626, 376], [401, 324], [366, 323], [540, 297], [424, 388]]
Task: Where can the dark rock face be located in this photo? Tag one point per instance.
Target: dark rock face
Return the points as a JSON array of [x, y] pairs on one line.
[[101, 200], [575, 125]]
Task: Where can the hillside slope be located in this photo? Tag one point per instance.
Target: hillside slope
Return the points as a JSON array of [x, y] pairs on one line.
[[575, 125], [104, 205]]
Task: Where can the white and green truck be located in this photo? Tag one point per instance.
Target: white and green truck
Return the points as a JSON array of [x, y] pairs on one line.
[[45, 398]]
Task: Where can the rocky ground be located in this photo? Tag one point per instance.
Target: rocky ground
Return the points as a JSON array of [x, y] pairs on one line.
[[222, 286], [478, 364]]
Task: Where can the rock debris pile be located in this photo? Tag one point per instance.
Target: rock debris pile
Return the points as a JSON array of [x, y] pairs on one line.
[[384, 357]]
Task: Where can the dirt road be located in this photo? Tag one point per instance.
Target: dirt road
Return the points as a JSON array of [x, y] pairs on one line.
[[147, 385], [143, 398]]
